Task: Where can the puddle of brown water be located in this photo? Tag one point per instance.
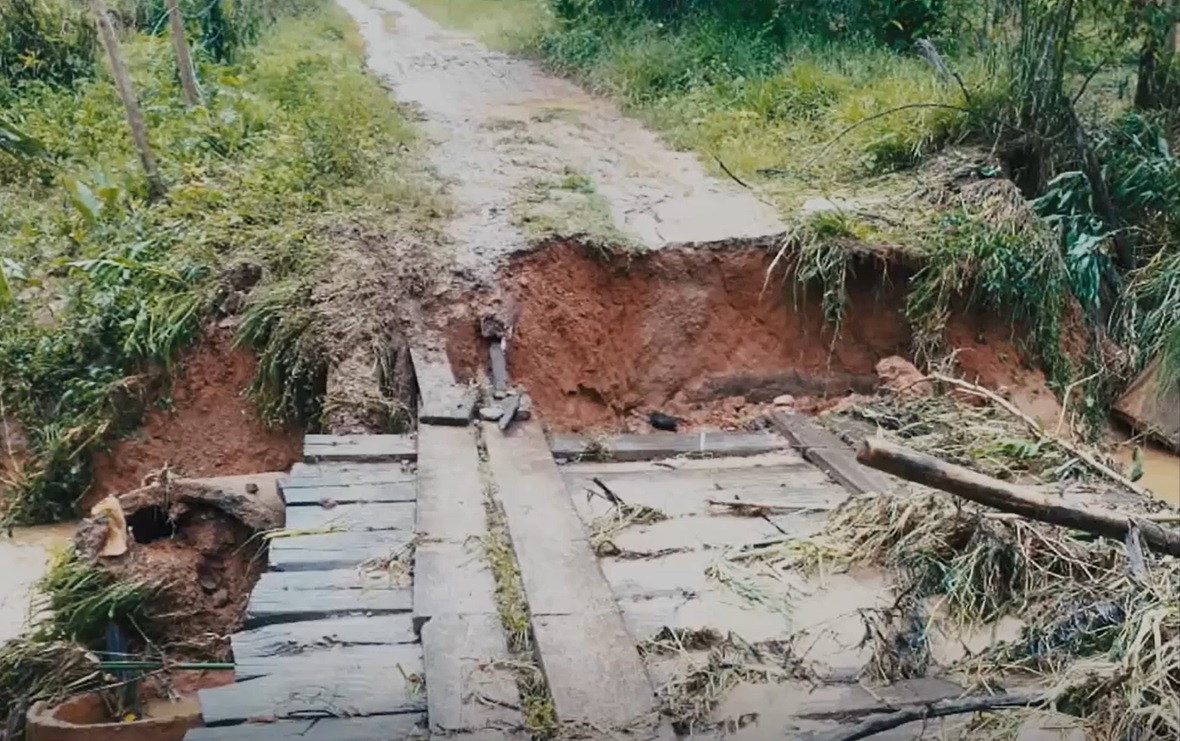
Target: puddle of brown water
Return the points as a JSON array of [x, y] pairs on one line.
[[1161, 472], [25, 557]]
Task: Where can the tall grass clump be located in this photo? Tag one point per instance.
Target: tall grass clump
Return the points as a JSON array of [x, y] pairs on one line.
[[103, 292], [52, 41]]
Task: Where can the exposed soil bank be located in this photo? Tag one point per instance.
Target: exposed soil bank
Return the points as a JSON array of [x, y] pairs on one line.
[[599, 340], [210, 429]]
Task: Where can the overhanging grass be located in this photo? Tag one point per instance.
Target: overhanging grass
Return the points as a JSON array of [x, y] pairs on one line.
[[294, 140]]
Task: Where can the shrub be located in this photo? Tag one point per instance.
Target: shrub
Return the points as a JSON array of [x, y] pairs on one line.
[[46, 40]]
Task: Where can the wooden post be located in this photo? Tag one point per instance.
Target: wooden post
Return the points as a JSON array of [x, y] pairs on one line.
[[962, 482], [127, 95], [183, 61]]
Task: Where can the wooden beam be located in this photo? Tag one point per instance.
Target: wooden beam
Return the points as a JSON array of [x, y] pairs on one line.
[[976, 487]]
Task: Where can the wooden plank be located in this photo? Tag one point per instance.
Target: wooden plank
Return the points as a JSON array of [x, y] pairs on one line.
[[339, 579], [468, 686], [580, 634], [634, 447], [405, 491], [353, 517], [450, 489], [404, 656], [451, 579], [557, 566], [343, 550], [499, 365], [285, 598], [441, 401], [317, 448], [677, 493], [784, 457], [315, 635], [373, 728], [578, 651], [829, 453], [357, 473], [342, 682]]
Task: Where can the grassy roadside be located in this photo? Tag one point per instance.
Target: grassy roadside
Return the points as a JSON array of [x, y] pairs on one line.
[[298, 168]]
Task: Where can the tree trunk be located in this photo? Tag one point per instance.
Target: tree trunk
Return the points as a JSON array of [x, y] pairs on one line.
[[1156, 86], [929, 471], [127, 95], [184, 62]]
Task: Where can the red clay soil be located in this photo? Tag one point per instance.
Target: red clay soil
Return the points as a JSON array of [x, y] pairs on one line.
[[598, 344], [211, 430]]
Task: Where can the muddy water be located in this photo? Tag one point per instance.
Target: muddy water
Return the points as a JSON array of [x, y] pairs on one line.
[[1161, 472], [25, 557]]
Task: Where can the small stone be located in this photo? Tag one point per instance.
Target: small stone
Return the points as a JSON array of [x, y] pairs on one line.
[[251, 488], [490, 414], [220, 598], [525, 412], [786, 400], [499, 394]]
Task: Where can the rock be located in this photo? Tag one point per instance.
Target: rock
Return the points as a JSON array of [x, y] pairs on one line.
[[490, 414], [902, 378], [786, 400], [525, 412], [220, 598]]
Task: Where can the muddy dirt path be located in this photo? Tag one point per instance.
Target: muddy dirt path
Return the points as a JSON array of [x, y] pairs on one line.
[[530, 155]]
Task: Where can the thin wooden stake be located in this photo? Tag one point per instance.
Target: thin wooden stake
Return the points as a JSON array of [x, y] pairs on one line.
[[184, 62], [127, 95]]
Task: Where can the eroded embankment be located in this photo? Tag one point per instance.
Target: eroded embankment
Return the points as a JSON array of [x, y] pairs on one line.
[[702, 334]]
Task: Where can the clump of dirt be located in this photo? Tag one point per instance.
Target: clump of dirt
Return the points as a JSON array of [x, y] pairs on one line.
[[698, 333], [211, 429], [202, 560]]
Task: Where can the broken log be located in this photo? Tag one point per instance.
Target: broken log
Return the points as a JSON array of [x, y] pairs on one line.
[[977, 487]]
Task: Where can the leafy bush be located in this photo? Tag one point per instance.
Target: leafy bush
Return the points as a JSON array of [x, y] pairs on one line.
[[101, 291], [47, 40]]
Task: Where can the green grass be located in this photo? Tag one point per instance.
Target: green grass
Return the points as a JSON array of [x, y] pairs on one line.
[[503, 24], [295, 143]]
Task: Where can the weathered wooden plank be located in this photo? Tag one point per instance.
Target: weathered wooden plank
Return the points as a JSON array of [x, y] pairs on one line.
[[315, 635], [441, 401], [405, 491], [319, 476], [557, 566], [311, 595], [451, 579], [580, 633], [450, 489], [784, 457], [342, 550], [318, 448], [353, 517], [499, 365], [371, 680], [578, 651], [649, 447], [374, 728], [829, 453], [468, 687], [676, 493]]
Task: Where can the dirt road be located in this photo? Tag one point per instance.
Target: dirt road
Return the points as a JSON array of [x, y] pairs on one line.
[[531, 156]]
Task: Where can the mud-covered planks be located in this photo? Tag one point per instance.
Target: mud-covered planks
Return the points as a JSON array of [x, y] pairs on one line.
[[632, 447], [379, 728], [360, 448], [340, 682], [288, 639], [829, 453], [312, 595], [336, 550]]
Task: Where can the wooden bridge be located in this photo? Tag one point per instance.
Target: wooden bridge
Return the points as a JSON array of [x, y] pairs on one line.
[[379, 619]]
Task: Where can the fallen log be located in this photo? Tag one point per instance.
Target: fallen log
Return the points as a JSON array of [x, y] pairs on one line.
[[929, 471]]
